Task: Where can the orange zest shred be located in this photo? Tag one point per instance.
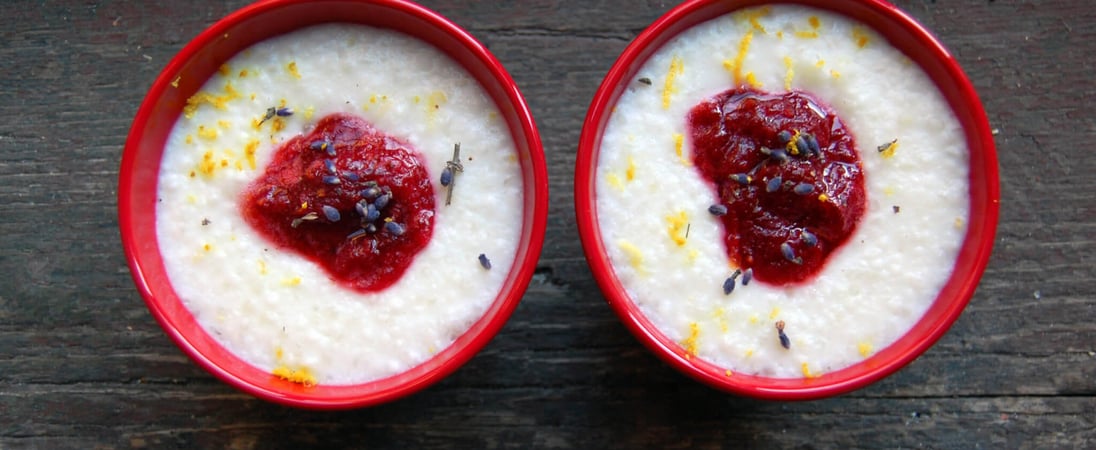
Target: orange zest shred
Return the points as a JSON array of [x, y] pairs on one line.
[[690, 343], [676, 68], [679, 149], [753, 16], [635, 256], [860, 36], [793, 145], [207, 132], [677, 226], [757, 25], [790, 75], [207, 165], [614, 181], [752, 80], [205, 98], [249, 152], [735, 66], [887, 150], [300, 375]]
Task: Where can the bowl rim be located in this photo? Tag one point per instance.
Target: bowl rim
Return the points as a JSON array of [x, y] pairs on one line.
[[169, 313], [972, 259]]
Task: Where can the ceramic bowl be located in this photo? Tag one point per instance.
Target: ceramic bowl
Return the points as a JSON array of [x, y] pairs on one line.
[[922, 48], [199, 60]]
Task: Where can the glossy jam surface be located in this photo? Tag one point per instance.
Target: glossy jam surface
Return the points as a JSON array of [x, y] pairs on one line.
[[789, 201], [357, 202]]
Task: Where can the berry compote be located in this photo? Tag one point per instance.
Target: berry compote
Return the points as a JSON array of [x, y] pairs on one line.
[[350, 198], [787, 171]]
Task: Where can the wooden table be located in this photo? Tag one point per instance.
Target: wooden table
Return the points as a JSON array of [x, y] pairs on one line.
[[83, 365]]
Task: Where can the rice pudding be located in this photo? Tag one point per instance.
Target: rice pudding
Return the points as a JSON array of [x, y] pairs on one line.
[[285, 311], [664, 214]]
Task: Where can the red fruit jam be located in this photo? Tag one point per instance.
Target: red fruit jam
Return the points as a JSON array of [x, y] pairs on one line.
[[789, 175], [355, 201]]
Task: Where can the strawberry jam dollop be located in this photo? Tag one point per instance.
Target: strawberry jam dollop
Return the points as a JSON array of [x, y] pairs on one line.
[[348, 197], [788, 177]]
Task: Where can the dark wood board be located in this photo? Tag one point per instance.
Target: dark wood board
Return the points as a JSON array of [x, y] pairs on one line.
[[84, 365]]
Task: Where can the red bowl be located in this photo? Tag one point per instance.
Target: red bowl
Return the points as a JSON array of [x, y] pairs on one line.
[[194, 64], [904, 33]]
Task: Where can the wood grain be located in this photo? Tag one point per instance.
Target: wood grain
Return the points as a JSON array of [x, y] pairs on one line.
[[83, 365]]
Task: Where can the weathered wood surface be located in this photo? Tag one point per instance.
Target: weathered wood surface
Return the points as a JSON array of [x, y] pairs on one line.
[[83, 365]]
